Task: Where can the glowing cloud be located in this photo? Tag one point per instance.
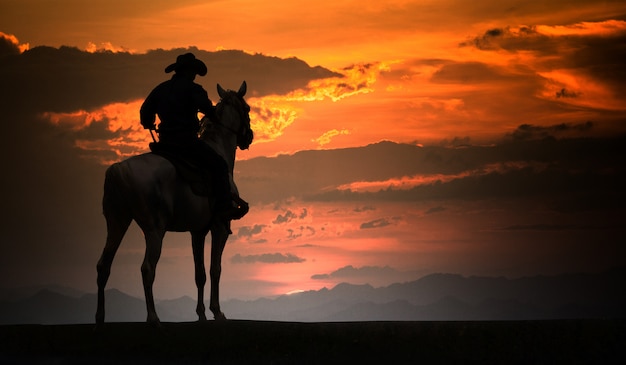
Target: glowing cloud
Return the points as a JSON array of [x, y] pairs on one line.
[[325, 138], [607, 27], [271, 115], [107, 47], [11, 39], [112, 128]]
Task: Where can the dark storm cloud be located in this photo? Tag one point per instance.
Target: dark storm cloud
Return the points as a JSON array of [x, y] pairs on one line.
[[67, 79], [551, 170], [530, 161], [530, 132], [267, 258]]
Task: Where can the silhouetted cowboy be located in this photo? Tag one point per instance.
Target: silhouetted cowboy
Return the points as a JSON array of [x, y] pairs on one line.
[[177, 102]]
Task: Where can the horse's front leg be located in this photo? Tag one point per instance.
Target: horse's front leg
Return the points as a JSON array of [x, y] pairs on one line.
[[154, 243], [197, 244], [219, 235]]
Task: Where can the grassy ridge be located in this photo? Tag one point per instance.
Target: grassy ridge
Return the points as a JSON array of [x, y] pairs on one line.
[[257, 342]]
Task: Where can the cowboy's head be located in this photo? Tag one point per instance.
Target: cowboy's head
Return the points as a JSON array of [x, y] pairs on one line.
[[187, 64]]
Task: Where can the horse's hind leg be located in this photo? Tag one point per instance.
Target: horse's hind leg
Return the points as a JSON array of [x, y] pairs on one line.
[[116, 228]]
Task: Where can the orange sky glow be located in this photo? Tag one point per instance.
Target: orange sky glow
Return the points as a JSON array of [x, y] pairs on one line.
[[445, 73]]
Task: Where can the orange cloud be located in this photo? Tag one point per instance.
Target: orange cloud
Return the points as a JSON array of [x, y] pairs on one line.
[[271, 115], [22, 47], [325, 138], [607, 27], [112, 128], [576, 88], [107, 47]]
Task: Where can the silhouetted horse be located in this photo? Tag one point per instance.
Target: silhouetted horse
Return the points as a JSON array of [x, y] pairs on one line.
[[147, 189]]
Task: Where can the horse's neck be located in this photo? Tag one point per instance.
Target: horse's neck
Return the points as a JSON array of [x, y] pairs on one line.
[[224, 143]]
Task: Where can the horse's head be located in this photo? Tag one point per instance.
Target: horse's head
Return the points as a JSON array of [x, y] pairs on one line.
[[234, 114]]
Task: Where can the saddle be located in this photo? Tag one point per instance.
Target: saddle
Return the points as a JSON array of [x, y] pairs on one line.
[[191, 172]]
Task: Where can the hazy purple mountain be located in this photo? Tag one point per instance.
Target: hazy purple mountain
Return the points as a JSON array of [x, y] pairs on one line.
[[433, 297]]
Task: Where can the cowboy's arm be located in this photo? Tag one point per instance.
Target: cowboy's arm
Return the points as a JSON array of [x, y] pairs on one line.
[[205, 105], [147, 113]]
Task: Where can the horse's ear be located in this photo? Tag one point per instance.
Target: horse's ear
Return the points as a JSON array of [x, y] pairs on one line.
[[242, 89], [220, 91]]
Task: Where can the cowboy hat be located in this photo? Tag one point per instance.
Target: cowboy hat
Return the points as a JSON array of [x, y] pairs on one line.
[[187, 61]]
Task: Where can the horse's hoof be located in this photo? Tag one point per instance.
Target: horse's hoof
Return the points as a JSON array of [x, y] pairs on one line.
[[220, 317], [154, 322]]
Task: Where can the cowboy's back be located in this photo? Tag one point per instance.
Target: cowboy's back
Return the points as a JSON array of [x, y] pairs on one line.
[[176, 102]]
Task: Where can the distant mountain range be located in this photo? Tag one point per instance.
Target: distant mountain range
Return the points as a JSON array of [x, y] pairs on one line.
[[433, 297]]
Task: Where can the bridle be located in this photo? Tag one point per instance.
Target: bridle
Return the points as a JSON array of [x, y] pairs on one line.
[[244, 133]]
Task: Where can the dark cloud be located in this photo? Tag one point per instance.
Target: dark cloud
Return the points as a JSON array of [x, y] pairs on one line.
[[364, 208], [566, 174], [564, 93], [247, 231], [376, 223], [533, 132], [284, 218], [522, 39], [299, 232], [289, 216], [67, 79], [8, 47], [560, 158], [266, 258]]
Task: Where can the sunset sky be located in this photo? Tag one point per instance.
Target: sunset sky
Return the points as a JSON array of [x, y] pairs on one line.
[[393, 139]]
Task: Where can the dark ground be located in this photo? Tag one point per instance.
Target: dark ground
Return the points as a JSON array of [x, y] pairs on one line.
[[256, 342]]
